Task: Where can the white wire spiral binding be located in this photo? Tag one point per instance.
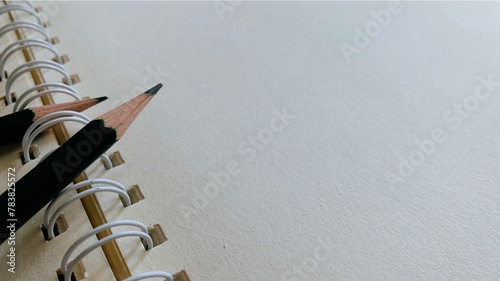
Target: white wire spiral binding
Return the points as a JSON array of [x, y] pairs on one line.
[[67, 268], [30, 66], [113, 186], [51, 88], [23, 44], [151, 274], [28, 3], [26, 25], [41, 90], [50, 120], [21, 7]]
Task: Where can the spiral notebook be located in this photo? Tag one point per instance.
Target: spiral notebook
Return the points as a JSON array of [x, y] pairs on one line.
[[276, 148], [31, 65]]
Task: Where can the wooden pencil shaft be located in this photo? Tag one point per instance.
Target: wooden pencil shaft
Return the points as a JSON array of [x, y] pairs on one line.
[[77, 106], [93, 209], [14, 125], [37, 188], [121, 117]]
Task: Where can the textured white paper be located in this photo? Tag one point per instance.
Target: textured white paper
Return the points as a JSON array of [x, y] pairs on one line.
[[322, 198]]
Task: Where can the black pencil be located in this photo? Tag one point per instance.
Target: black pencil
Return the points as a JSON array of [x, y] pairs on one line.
[[14, 125], [61, 167]]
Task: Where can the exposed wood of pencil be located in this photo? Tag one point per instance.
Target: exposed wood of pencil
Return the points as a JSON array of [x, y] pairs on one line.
[[41, 111], [121, 117], [53, 172], [90, 203], [14, 125]]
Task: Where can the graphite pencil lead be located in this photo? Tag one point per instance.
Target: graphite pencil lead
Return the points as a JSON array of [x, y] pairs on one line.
[[78, 106], [101, 99], [121, 117], [154, 90]]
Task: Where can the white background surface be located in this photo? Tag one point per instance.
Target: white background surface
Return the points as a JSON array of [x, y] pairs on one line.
[[315, 203]]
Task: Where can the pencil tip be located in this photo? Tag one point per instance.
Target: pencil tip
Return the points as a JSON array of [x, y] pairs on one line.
[[154, 90], [101, 99]]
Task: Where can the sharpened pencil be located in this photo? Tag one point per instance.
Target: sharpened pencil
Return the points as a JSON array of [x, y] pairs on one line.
[[14, 125], [40, 185]]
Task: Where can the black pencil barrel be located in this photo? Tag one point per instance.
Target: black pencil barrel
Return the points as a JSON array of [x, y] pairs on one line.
[[13, 126], [54, 173]]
